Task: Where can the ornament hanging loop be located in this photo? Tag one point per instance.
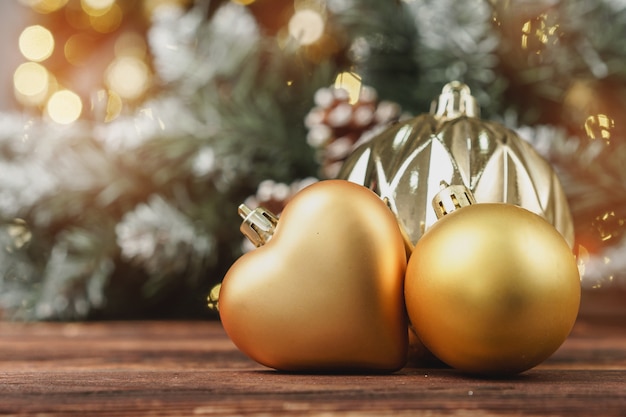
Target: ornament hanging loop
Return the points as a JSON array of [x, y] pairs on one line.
[[258, 225], [451, 198], [456, 100]]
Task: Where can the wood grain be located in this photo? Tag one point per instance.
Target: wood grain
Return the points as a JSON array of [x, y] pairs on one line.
[[192, 369]]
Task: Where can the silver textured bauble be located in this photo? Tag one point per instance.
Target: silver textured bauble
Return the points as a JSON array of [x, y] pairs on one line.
[[405, 165]]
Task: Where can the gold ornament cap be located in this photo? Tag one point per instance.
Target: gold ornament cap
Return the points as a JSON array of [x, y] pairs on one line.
[[258, 225], [451, 198], [213, 299], [455, 100]]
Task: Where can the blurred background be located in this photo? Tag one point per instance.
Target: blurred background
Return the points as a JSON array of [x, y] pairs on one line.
[[130, 130]]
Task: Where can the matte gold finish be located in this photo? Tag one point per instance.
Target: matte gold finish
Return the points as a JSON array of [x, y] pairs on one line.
[[492, 289], [326, 293], [405, 164]]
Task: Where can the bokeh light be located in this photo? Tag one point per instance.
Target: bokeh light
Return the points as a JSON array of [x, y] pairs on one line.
[[108, 21], [128, 76], [306, 26], [76, 17], [36, 43], [44, 6], [93, 24], [78, 48], [106, 105], [150, 6], [64, 107], [114, 106], [96, 7], [31, 82], [131, 44], [351, 82]]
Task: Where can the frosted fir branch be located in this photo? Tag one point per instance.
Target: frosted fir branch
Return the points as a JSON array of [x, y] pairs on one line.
[[64, 279], [232, 85], [189, 53], [19, 275], [73, 285], [25, 179], [380, 38], [165, 116], [381, 20], [569, 42], [457, 42], [594, 31], [163, 241], [192, 52], [616, 6], [171, 38]]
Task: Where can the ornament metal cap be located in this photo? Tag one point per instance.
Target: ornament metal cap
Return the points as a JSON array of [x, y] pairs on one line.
[[451, 198], [213, 298], [258, 225], [456, 100]]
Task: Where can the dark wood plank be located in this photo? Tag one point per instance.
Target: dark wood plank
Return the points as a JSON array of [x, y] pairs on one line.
[[191, 368]]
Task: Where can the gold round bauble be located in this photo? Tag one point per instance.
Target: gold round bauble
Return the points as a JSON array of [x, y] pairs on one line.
[[492, 289], [326, 291], [405, 164]]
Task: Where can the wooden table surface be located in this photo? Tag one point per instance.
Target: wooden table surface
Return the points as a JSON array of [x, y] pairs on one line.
[[191, 368]]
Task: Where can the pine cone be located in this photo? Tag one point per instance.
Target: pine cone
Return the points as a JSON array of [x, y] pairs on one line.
[[337, 127]]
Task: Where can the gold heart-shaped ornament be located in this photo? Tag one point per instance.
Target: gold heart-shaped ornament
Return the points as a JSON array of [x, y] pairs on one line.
[[326, 292]]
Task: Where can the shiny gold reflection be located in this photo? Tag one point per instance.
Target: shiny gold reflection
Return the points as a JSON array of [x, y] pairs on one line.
[[539, 31], [599, 126]]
